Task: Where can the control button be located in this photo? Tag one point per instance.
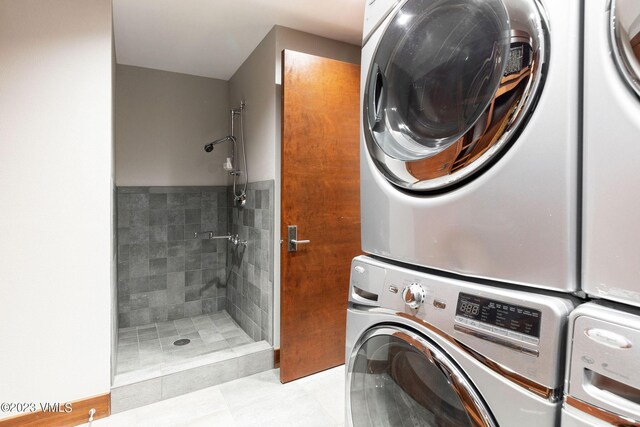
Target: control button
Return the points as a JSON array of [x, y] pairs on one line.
[[485, 326], [608, 338], [439, 304], [393, 289], [359, 269], [515, 335], [413, 295], [499, 331]]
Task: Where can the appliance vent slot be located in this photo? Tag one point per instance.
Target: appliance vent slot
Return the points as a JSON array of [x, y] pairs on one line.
[[364, 294], [616, 388]]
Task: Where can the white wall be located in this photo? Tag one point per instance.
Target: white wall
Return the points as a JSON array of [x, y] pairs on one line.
[[55, 146], [258, 82], [114, 227], [163, 121]]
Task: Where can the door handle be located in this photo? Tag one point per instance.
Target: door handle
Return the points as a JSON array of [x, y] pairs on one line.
[[292, 237]]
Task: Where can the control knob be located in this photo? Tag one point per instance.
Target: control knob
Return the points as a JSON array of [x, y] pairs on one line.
[[414, 295]]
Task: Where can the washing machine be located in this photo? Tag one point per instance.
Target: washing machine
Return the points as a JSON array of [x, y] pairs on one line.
[[469, 143], [611, 255], [603, 380], [426, 350]]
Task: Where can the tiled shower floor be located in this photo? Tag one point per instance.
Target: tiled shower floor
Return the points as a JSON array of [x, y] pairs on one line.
[[148, 351]]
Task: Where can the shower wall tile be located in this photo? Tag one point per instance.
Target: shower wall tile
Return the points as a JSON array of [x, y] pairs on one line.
[[160, 261], [250, 269]]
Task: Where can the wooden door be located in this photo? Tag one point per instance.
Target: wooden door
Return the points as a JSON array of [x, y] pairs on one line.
[[321, 196]]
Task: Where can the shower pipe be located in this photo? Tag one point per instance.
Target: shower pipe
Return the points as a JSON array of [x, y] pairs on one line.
[[240, 198]]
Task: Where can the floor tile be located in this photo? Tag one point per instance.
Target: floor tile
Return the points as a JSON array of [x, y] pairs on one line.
[[149, 349], [169, 332], [167, 342], [128, 340], [236, 332], [128, 365], [259, 400], [217, 345], [182, 323], [237, 341], [280, 408]]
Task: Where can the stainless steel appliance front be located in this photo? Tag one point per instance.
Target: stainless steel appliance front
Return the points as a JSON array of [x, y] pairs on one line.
[[470, 139], [438, 350], [603, 380]]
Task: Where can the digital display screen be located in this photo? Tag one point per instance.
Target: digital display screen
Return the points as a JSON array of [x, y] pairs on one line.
[[511, 317]]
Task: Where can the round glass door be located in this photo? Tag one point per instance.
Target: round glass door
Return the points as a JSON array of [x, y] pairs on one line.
[[398, 378], [449, 84], [625, 35]]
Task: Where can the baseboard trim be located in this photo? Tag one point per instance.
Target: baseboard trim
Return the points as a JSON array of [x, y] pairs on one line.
[[79, 414], [276, 358]]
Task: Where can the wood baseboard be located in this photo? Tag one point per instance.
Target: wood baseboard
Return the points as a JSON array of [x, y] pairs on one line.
[[78, 415], [276, 358]]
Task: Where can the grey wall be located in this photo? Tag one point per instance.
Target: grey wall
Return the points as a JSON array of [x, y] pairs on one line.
[[254, 82], [164, 272], [250, 284], [163, 120]]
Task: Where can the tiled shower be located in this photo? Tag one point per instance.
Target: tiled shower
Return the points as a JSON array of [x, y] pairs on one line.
[[176, 284], [165, 271]]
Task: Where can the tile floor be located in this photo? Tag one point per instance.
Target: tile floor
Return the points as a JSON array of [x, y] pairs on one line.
[[258, 400], [149, 346]]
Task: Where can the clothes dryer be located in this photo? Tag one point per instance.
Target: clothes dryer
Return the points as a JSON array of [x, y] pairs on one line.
[[611, 253], [603, 380], [425, 350], [469, 137]]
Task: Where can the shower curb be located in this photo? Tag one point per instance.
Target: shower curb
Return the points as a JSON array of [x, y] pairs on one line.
[[145, 392]]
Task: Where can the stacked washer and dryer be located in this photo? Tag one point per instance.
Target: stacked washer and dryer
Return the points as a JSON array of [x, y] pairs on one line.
[[603, 363], [469, 208]]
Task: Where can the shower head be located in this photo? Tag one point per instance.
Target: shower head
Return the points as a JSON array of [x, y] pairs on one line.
[[209, 147]]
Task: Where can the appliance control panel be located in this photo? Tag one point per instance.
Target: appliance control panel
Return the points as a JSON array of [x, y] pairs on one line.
[[505, 319], [519, 329]]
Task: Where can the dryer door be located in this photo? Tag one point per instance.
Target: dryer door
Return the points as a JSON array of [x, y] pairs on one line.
[[397, 377], [625, 37], [450, 83]]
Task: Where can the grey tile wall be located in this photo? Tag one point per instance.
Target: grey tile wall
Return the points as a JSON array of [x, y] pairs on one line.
[[250, 275], [164, 272]]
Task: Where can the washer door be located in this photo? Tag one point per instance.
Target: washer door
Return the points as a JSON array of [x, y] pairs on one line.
[[397, 377], [450, 83], [625, 37]]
